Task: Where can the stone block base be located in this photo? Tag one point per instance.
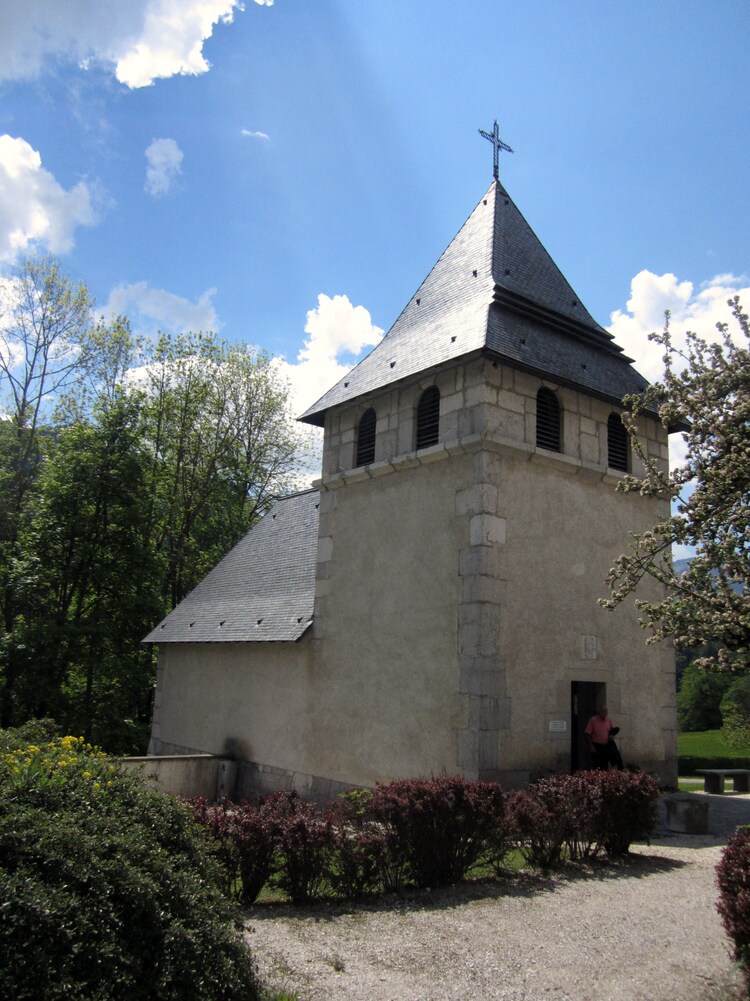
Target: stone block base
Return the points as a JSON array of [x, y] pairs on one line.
[[686, 814]]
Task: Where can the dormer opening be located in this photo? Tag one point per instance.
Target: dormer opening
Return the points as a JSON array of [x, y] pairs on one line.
[[366, 438], [428, 418], [617, 443], [548, 421]]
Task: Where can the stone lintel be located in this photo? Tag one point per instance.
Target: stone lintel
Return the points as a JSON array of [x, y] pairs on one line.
[[479, 561], [486, 530], [478, 499], [480, 589], [485, 615]]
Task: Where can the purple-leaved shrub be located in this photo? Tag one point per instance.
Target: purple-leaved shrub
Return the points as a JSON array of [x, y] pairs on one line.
[[304, 840], [733, 878], [440, 827]]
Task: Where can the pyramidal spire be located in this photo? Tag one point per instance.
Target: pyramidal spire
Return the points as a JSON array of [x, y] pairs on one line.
[[494, 290]]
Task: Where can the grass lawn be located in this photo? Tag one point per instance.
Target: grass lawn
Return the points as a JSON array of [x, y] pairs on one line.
[[688, 784], [708, 744]]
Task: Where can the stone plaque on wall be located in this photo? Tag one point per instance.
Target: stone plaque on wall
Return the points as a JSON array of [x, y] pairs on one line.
[[588, 647]]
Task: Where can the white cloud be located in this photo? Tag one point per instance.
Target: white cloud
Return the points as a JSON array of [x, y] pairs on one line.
[[143, 39], [164, 162], [150, 309], [254, 135], [698, 311], [35, 210], [172, 40], [335, 328]]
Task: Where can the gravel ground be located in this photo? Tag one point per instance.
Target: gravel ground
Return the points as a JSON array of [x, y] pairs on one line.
[[642, 930]]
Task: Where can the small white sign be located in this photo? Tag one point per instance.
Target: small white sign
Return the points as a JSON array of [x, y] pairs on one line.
[[558, 726], [588, 647]]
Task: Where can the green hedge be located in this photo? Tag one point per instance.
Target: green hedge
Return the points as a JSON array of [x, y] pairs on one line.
[[689, 764], [107, 889]]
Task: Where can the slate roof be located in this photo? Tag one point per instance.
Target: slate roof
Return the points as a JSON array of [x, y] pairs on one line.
[[495, 289], [263, 589]]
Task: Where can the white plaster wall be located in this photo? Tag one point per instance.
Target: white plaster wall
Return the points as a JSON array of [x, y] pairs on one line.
[[565, 527], [243, 697], [385, 626]]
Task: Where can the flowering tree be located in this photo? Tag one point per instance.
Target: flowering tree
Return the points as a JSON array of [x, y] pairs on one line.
[[705, 392]]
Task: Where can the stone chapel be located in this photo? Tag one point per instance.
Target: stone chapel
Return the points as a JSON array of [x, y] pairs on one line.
[[430, 606]]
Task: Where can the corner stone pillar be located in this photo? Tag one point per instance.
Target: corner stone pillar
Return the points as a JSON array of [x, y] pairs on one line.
[[482, 594]]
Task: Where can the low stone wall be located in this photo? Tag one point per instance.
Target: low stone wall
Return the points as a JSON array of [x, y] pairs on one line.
[[186, 774], [254, 780]]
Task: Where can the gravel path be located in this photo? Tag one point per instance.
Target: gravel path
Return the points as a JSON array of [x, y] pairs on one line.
[[643, 930]]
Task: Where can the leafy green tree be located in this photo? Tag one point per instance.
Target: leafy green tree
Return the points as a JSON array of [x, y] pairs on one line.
[[705, 390], [699, 698], [110, 350], [43, 350], [222, 445], [90, 583], [735, 711]]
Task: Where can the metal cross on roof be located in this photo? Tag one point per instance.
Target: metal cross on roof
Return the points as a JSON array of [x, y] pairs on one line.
[[497, 145]]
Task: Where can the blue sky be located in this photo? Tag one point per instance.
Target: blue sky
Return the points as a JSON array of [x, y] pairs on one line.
[[287, 173]]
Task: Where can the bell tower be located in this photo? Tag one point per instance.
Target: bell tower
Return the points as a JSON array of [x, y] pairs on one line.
[[459, 568]]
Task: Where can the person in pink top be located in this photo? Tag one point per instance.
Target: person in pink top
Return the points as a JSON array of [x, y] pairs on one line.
[[599, 734]]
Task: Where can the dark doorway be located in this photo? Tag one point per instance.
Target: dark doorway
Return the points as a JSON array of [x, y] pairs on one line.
[[585, 699]]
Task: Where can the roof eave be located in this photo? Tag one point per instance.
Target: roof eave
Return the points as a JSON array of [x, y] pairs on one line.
[[318, 417], [180, 641], [595, 336]]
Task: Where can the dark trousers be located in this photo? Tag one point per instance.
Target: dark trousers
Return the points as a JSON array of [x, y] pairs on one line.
[[606, 755]]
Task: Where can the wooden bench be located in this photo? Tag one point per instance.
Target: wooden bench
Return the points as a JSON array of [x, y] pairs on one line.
[[713, 779]]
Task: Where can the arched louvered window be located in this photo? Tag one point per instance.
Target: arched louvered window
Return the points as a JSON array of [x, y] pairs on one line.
[[428, 417], [617, 443], [366, 438], [548, 420]]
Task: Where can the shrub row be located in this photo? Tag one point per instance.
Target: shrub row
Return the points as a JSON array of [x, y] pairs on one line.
[[421, 832], [733, 878], [688, 764], [582, 815]]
